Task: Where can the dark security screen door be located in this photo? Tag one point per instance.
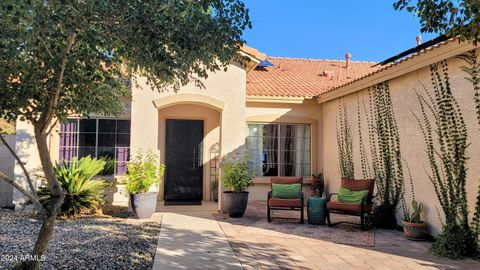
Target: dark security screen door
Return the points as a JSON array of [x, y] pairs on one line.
[[183, 159]]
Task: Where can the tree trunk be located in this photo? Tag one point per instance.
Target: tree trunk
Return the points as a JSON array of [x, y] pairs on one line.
[[44, 236], [52, 206]]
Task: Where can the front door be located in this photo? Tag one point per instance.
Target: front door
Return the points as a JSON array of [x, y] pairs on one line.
[[183, 160]]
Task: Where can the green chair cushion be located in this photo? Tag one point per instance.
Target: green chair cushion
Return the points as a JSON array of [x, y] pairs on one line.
[[350, 196], [286, 191]]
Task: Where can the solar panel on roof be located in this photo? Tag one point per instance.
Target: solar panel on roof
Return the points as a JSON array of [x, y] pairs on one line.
[[265, 63]]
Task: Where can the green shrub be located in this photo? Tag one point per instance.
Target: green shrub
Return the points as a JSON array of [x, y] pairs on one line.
[[236, 175], [142, 173], [455, 242], [109, 168], [82, 193]]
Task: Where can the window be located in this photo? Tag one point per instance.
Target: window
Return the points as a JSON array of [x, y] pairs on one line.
[[108, 138], [279, 149]]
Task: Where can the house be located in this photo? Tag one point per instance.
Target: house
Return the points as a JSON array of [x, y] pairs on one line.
[[282, 111]]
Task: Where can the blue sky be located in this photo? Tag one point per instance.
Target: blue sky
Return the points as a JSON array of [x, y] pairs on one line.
[[369, 29]]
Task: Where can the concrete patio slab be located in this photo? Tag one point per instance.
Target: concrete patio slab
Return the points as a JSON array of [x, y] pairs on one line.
[[193, 240]]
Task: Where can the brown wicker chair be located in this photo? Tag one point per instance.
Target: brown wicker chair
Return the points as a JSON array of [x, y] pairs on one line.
[[285, 204], [364, 209]]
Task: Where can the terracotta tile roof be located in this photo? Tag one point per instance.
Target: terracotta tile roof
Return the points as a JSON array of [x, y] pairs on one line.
[[379, 68], [298, 77]]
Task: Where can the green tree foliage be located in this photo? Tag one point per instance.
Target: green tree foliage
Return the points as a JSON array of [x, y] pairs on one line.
[[387, 167], [82, 193], [345, 142], [452, 17], [142, 173], [63, 57], [445, 133]]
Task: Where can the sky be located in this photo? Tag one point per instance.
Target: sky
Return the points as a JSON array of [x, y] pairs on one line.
[[371, 30]]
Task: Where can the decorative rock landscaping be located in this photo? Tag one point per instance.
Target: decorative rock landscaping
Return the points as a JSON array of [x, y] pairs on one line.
[[103, 242]]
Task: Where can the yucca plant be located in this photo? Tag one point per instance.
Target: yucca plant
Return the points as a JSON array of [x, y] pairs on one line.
[[82, 192]]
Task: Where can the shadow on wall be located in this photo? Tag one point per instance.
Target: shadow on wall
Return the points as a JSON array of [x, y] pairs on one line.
[[26, 149]]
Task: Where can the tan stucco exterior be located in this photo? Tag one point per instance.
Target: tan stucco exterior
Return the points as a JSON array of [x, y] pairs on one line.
[[403, 92], [221, 104], [226, 110]]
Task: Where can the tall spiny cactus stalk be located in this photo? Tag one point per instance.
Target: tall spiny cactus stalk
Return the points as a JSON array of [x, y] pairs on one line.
[[445, 134], [344, 142], [386, 156]]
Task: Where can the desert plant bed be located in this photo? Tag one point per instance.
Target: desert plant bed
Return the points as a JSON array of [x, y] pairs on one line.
[[89, 242]]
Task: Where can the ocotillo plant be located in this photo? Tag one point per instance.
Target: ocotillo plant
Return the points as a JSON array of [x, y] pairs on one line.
[[384, 142], [344, 142], [445, 134], [472, 69], [365, 165]]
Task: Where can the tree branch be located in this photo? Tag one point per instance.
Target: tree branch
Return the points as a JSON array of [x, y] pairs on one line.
[[52, 126], [29, 195], [22, 165], [46, 118]]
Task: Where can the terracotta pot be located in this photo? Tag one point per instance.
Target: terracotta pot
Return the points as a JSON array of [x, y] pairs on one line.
[[235, 203], [415, 231]]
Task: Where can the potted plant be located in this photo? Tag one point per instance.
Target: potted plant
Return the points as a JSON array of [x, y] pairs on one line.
[[214, 187], [318, 184], [237, 177], [413, 226], [141, 181]]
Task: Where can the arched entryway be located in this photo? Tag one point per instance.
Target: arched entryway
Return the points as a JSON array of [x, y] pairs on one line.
[[187, 131]]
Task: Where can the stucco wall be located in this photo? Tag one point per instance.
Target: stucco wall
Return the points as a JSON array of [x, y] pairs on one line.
[[411, 140], [226, 87], [27, 150], [6, 166]]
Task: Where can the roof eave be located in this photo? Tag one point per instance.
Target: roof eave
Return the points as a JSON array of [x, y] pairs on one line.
[[253, 55], [278, 99], [423, 59]]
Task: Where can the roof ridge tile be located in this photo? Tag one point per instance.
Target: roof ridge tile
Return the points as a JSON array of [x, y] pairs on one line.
[[318, 59]]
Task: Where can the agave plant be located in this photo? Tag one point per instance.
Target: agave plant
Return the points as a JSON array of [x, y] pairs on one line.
[[82, 192], [415, 215]]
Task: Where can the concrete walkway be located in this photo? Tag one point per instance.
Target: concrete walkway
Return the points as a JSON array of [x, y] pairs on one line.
[[193, 240]]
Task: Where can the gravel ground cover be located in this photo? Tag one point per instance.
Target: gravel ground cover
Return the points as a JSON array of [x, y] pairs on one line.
[[101, 242]]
